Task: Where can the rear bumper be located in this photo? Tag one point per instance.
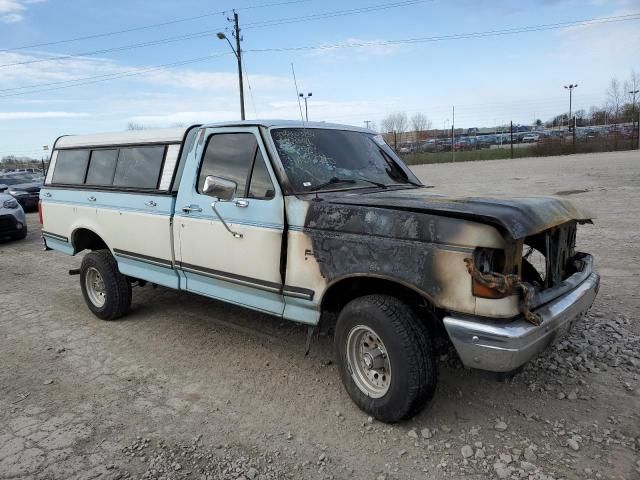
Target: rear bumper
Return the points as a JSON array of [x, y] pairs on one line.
[[503, 346]]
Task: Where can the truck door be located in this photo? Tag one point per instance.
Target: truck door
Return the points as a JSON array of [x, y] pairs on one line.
[[238, 262]]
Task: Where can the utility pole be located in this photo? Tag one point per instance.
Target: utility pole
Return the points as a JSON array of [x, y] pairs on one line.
[[512, 139], [367, 123], [306, 106], [453, 133], [238, 53], [570, 87], [239, 57], [633, 117]]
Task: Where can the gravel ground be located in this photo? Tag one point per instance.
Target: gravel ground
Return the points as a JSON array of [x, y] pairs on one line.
[[189, 388]]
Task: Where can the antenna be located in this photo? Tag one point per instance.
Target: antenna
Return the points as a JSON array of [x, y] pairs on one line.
[[295, 82]]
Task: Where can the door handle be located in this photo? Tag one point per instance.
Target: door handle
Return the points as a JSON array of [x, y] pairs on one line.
[[91, 198], [47, 194], [150, 203], [242, 203], [191, 208]]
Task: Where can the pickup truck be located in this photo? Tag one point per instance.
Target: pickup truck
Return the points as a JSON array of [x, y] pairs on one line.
[[322, 225]]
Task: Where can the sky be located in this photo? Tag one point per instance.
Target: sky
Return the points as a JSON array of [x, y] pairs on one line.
[[55, 81]]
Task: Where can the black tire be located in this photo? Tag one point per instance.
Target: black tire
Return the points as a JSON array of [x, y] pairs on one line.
[[117, 289], [21, 235], [413, 367]]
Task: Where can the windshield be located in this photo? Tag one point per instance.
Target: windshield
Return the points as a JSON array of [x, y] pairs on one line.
[[327, 159]]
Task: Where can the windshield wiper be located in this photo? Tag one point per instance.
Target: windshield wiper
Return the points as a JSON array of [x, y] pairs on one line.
[[377, 184], [332, 181]]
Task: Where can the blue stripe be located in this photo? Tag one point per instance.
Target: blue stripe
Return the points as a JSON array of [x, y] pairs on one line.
[[147, 210], [235, 221], [249, 297], [59, 245], [110, 200], [165, 276]]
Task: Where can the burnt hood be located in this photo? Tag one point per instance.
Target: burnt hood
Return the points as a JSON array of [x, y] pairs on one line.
[[518, 216]]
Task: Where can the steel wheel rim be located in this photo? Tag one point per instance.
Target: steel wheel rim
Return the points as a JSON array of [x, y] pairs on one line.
[[368, 361], [95, 287]]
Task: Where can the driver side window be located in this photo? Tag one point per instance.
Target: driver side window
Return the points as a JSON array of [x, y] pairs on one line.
[[236, 157], [229, 155]]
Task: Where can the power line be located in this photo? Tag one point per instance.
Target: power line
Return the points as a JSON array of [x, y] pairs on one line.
[[146, 27], [205, 33], [457, 36], [338, 13], [511, 31]]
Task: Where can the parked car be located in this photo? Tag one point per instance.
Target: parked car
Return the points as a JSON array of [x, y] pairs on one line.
[[322, 225], [23, 188], [531, 138], [12, 220]]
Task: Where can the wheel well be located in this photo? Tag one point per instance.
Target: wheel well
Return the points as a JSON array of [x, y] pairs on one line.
[[342, 292], [85, 239]]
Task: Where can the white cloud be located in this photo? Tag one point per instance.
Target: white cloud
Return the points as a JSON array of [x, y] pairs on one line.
[[33, 115], [603, 43], [26, 70], [12, 11]]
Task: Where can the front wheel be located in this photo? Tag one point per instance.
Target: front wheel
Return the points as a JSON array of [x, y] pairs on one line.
[[385, 357], [106, 291]]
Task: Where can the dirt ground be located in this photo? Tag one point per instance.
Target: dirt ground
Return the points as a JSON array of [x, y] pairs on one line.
[[186, 387]]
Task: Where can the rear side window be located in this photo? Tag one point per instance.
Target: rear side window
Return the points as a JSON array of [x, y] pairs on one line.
[[229, 155], [139, 167], [71, 167], [102, 167]]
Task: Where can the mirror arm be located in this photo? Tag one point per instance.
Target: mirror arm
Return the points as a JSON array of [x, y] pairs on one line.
[[235, 234]]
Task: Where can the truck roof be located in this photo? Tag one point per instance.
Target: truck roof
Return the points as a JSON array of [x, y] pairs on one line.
[[176, 135]]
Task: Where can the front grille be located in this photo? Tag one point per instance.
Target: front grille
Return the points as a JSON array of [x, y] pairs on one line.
[[547, 258]]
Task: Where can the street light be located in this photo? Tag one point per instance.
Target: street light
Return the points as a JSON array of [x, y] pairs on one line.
[[570, 88], [306, 107], [238, 53]]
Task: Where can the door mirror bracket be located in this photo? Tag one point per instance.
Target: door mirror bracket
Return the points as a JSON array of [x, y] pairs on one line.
[[221, 190], [213, 206]]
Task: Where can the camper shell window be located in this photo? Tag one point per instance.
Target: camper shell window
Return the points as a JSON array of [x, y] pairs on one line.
[[115, 167]]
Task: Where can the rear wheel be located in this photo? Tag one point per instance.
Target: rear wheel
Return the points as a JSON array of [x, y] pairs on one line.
[[106, 291], [385, 357]]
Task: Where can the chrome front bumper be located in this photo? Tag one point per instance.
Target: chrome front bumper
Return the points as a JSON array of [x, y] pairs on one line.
[[504, 345]]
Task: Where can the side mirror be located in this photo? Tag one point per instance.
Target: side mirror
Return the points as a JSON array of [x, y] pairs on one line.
[[220, 188], [3, 187]]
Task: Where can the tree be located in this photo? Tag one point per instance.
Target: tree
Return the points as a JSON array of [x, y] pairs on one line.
[[615, 99], [388, 124], [631, 88], [597, 115], [397, 124], [420, 123], [402, 123], [538, 123]]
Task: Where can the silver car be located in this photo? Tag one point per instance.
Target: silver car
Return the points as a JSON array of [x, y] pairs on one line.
[[12, 220]]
